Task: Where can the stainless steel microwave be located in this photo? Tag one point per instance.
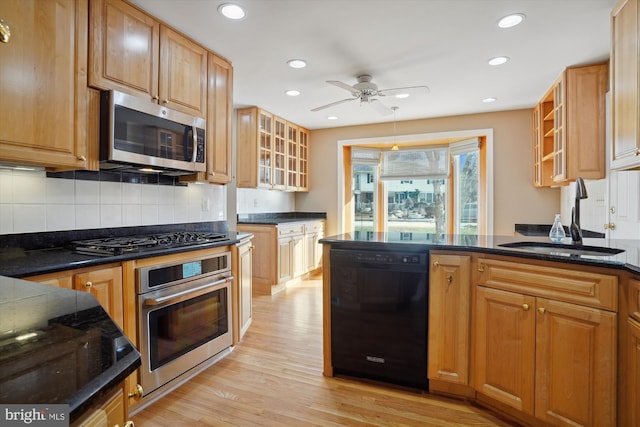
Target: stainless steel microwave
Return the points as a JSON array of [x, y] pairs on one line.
[[137, 134]]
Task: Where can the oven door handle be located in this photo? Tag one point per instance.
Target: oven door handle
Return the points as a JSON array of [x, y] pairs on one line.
[[188, 294]]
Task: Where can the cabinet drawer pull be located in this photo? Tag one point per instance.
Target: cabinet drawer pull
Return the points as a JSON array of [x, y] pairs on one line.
[[525, 307], [542, 310], [481, 268], [139, 391], [5, 32], [88, 284], [436, 264]]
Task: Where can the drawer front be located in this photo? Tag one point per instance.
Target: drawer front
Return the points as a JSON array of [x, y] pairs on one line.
[[634, 299], [580, 287], [314, 227], [289, 230]]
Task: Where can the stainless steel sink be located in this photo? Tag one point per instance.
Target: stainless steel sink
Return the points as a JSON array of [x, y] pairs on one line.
[[559, 248]]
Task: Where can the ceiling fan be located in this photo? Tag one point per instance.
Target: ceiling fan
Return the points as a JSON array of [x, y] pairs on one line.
[[367, 92]]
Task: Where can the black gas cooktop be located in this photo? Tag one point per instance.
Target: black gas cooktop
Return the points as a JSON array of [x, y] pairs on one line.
[[127, 244]]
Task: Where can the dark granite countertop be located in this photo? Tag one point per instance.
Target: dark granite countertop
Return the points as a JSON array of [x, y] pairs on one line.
[[39, 253], [543, 230], [58, 346], [627, 260], [280, 217]]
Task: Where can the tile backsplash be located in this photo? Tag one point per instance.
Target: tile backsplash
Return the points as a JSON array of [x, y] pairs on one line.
[[32, 202]]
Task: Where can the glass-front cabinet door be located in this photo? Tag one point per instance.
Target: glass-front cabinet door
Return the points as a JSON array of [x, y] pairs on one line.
[[303, 160], [265, 149], [279, 153], [292, 157]]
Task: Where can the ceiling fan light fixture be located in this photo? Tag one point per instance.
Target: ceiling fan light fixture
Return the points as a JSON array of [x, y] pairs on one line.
[[231, 11], [489, 100], [293, 92], [332, 118], [498, 60], [402, 95], [511, 20], [297, 63]]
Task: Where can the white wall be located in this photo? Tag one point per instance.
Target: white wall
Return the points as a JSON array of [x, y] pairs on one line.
[[516, 200], [251, 200], [31, 202]]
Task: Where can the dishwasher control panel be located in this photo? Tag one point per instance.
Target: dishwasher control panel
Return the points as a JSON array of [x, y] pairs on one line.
[[378, 257]]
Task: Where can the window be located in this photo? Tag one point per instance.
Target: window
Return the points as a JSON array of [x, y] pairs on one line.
[[431, 189]]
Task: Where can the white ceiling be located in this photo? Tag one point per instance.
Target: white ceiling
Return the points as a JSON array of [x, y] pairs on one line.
[[444, 44]]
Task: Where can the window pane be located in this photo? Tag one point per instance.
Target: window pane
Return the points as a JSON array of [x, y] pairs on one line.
[[364, 185], [416, 205], [466, 178]]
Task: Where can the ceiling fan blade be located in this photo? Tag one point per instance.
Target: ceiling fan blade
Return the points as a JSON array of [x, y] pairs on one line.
[[333, 103], [380, 107], [354, 92], [399, 90]]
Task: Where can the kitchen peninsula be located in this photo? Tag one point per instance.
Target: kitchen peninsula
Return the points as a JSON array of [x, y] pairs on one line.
[[541, 336]]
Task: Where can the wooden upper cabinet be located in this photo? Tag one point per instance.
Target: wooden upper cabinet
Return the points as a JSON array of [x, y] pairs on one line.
[[43, 83], [183, 73], [130, 51], [219, 120], [569, 127], [303, 159], [124, 49], [272, 153], [625, 92]]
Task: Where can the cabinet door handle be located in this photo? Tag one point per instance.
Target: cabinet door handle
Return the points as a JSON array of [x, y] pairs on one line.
[[481, 268], [542, 310], [525, 307], [449, 279], [5, 32], [155, 97], [139, 391], [436, 264], [88, 284]]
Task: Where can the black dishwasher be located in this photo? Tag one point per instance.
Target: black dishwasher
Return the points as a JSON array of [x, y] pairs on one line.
[[379, 315]]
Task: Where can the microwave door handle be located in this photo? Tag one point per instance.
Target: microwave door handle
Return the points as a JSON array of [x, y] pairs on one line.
[[188, 294], [195, 144]]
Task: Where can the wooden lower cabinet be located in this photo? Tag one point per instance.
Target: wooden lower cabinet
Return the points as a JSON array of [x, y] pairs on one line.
[[109, 413], [633, 373], [546, 357], [282, 253], [505, 344], [449, 311], [242, 285], [104, 282]]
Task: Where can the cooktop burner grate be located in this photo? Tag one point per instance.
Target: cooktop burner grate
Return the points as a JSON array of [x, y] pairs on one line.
[[127, 244]]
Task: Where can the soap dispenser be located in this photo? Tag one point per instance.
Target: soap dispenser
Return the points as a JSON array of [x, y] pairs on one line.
[[556, 234]]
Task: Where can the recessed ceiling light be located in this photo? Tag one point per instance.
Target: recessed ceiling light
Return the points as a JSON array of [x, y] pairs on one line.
[[498, 60], [511, 20], [489, 99], [293, 92], [297, 63], [231, 11], [402, 95], [332, 118]]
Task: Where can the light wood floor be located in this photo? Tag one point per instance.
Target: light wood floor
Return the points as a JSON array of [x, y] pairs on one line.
[[274, 378]]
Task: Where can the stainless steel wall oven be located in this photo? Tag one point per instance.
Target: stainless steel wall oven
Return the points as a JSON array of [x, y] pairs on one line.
[[184, 316]]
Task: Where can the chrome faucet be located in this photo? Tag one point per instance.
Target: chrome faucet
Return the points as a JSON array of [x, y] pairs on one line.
[[574, 229]]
